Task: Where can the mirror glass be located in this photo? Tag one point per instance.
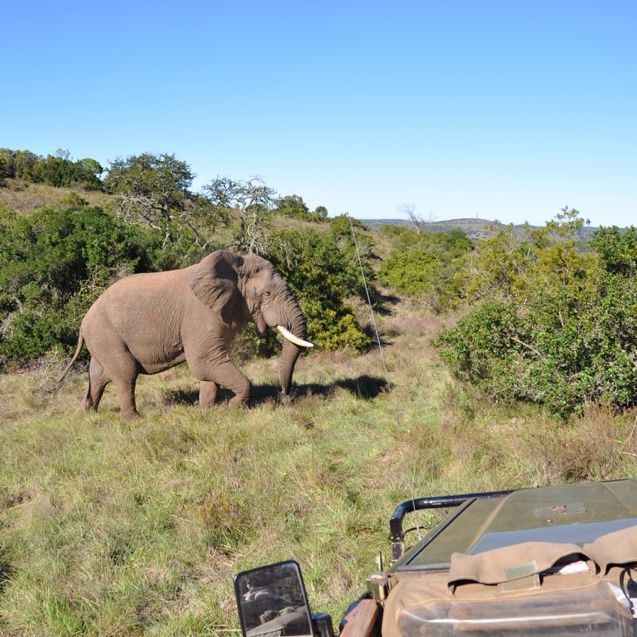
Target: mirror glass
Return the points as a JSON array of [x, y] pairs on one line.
[[272, 601]]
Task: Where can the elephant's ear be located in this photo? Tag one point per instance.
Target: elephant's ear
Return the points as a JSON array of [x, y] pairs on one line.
[[214, 280]]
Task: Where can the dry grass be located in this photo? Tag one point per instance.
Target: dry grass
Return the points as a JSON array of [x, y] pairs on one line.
[[25, 197], [109, 527]]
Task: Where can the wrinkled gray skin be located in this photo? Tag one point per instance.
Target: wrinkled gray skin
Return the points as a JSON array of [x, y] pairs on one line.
[[146, 323]]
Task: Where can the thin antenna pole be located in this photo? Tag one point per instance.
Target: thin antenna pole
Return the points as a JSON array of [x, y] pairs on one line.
[[369, 302]]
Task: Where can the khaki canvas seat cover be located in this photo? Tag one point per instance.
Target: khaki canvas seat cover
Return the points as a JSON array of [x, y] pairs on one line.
[[476, 579], [509, 563]]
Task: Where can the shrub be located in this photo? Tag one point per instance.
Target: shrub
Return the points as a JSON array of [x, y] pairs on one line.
[[559, 327], [617, 248], [74, 201], [322, 275], [424, 265], [53, 264], [412, 271]]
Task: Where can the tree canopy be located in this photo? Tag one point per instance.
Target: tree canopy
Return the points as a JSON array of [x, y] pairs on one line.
[[55, 170], [155, 190]]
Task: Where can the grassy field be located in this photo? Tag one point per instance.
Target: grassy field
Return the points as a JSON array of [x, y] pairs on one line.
[[112, 527], [26, 197]]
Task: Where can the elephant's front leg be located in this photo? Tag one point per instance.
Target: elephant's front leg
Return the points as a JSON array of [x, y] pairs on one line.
[[207, 393], [220, 371], [228, 375]]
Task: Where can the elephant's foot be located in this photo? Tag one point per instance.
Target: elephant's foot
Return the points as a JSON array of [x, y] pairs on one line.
[[207, 394], [129, 414], [89, 404], [241, 390], [285, 399], [239, 401]]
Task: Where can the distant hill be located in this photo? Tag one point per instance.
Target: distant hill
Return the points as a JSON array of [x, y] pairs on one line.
[[25, 197], [474, 228]]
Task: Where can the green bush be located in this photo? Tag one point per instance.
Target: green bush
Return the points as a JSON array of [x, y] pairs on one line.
[[413, 271], [323, 274], [559, 325], [356, 248], [617, 248], [428, 266], [53, 264]]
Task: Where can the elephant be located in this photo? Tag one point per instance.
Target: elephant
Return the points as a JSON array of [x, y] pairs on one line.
[[147, 323]]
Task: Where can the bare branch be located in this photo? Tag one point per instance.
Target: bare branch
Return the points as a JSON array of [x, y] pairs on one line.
[[409, 209]]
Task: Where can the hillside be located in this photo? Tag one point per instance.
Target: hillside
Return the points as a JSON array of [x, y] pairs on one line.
[[26, 197], [505, 362], [115, 527]]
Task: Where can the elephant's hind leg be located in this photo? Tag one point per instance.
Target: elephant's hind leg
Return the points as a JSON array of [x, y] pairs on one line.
[[97, 381], [121, 368], [125, 383]]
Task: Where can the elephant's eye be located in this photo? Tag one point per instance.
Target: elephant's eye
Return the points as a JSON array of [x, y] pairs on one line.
[[267, 293]]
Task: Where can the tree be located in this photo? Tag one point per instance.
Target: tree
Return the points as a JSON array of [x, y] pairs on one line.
[[154, 190], [250, 202], [321, 212], [292, 206], [56, 170], [7, 167], [417, 222], [23, 162], [91, 168]]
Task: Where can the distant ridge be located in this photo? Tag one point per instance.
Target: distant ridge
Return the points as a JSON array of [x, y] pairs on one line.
[[474, 228]]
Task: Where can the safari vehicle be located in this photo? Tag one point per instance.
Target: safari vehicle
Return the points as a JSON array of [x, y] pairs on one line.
[[558, 560]]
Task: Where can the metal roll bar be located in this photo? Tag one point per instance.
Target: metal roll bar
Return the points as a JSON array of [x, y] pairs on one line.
[[429, 502]]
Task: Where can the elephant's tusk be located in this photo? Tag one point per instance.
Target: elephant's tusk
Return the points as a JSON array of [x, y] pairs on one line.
[[294, 339]]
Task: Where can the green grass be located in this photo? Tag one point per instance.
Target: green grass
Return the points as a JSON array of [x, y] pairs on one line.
[[111, 527]]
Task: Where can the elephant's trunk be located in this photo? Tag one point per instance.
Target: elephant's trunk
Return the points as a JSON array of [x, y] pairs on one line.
[[295, 324]]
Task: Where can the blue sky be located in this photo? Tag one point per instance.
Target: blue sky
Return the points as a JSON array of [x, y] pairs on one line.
[[506, 110]]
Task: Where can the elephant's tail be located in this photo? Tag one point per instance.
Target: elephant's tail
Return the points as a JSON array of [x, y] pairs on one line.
[[80, 342]]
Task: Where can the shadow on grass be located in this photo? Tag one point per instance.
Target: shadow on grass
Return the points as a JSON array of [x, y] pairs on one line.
[[364, 387], [6, 571], [383, 302]]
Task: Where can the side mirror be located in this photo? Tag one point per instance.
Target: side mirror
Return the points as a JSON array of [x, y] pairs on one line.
[[271, 600]]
